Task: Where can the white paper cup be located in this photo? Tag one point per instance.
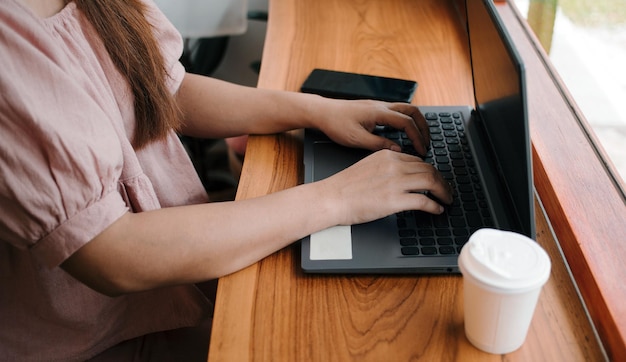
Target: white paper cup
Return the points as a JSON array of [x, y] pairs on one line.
[[503, 273]]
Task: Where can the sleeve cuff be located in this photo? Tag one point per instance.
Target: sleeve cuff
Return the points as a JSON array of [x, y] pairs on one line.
[[73, 234]]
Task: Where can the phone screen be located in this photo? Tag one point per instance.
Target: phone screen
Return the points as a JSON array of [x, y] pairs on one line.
[[334, 84]]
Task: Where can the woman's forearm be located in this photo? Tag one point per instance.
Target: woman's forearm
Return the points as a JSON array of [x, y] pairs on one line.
[[217, 109], [195, 243]]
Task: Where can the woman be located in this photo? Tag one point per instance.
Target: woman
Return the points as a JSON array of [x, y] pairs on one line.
[[104, 226]]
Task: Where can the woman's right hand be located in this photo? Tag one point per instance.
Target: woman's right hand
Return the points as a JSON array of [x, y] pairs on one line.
[[384, 183]]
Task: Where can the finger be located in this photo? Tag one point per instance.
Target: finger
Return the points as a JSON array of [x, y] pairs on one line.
[[424, 203], [373, 142], [440, 191], [413, 123], [426, 179]]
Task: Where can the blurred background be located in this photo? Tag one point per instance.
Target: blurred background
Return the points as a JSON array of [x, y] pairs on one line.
[[586, 42]]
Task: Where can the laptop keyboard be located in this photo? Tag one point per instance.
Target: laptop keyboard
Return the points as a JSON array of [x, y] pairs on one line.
[[423, 234]]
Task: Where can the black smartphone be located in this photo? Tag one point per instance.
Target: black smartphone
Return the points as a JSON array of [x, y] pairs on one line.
[[335, 84]]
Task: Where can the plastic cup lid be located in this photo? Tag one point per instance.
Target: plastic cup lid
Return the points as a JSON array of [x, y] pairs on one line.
[[504, 260]]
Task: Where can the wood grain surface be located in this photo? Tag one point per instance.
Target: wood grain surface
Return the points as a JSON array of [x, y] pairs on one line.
[[271, 311]]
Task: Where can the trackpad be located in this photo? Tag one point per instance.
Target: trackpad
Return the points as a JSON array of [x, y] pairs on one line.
[[330, 158], [334, 243]]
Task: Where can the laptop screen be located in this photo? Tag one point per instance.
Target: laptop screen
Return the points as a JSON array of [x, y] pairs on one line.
[[500, 100]]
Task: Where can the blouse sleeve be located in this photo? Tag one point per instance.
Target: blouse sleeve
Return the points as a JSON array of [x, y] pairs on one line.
[[170, 42], [61, 136], [62, 130], [60, 155]]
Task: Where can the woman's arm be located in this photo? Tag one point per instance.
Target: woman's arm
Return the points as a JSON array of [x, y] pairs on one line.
[[213, 108], [216, 109], [195, 243]]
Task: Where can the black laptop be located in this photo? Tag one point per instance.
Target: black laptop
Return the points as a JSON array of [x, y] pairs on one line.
[[482, 151]]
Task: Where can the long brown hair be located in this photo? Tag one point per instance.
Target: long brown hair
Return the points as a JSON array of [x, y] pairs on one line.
[[129, 40]]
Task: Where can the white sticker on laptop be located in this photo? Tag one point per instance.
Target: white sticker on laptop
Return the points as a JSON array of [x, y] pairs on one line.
[[334, 243]]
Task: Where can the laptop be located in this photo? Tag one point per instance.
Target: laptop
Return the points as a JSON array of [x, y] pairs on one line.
[[482, 151]]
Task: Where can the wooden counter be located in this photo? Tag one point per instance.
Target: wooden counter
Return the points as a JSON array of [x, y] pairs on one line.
[[272, 311]]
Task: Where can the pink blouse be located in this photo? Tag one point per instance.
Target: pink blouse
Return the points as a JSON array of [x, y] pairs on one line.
[[67, 172]]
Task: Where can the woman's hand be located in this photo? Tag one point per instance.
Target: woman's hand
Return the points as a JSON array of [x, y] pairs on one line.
[[384, 183], [351, 123]]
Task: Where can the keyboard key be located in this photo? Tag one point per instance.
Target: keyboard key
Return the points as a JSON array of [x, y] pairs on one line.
[[447, 250], [423, 220], [458, 163], [443, 232], [460, 171], [460, 232], [410, 250], [461, 240], [444, 168], [429, 250], [470, 206], [425, 232], [465, 188], [441, 221], [457, 221], [431, 116], [455, 211], [468, 198], [448, 127], [474, 219], [406, 233]]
